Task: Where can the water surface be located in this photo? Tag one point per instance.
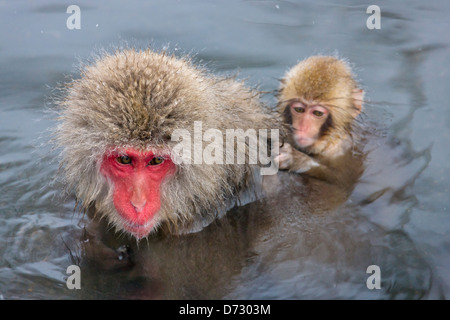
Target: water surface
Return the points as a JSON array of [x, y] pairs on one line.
[[397, 216]]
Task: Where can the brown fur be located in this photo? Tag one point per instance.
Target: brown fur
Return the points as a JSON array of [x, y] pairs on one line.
[[329, 80], [335, 157], [136, 99]]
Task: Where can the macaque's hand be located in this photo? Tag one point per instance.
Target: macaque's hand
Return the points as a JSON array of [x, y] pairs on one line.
[[285, 159], [294, 160]]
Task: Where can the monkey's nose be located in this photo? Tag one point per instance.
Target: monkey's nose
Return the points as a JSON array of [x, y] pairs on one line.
[[139, 206]]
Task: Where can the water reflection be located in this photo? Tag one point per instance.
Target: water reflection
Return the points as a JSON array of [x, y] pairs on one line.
[[278, 248]]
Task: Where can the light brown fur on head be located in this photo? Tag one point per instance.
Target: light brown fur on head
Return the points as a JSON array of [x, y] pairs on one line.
[[328, 80], [137, 99]]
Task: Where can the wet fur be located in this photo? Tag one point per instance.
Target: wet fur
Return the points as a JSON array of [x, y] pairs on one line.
[[136, 99], [335, 156], [331, 81]]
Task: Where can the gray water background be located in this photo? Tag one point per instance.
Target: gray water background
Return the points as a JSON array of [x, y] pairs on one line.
[[403, 68]]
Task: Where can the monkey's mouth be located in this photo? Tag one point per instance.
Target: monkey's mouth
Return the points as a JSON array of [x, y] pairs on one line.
[[138, 230], [304, 142]]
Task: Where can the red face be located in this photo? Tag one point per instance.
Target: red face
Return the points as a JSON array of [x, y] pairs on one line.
[[307, 121], [137, 177]]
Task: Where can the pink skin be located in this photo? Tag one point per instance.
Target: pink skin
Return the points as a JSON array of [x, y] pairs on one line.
[[307, 119], [137, 187]]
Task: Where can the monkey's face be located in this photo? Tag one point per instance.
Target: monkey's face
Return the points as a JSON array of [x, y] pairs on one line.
[[136, 178], [308, 121]]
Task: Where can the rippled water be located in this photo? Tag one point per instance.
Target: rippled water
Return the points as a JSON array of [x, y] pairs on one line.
[[396, 218]]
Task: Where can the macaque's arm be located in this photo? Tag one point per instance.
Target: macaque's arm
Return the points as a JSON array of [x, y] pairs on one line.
[[296, 161], [293, 160]]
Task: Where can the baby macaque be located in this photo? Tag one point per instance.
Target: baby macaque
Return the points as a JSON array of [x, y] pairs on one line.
[[319, 100]]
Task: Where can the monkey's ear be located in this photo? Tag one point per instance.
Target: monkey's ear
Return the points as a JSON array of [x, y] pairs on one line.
[[358, 96]]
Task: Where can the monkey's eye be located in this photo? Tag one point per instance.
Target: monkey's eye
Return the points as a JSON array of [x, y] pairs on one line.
[[299, 109], [124, 160], [318, 113], [155, 161]]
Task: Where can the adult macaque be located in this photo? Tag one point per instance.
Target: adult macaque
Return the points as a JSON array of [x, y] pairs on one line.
[[320, 99], [115, 130]]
